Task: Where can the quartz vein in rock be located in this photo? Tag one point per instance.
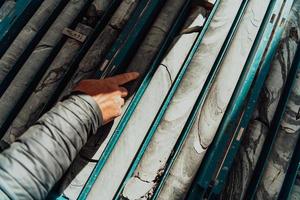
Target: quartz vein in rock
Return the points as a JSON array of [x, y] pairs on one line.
[[208, 119], [255, 135], [283, 148], [57, 70], [31, 67], [95, 55], [140, 121], [23, 39]]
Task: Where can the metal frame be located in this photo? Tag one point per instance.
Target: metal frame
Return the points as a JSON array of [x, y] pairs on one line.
[[144, 23], [179, 21], [136, 34], [272, 133], [106, 68], [242, 104]]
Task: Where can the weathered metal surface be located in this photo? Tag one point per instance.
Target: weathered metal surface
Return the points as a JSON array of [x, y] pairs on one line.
[[208, 119], [34, 106], [255, 135], [13, 53], [13, 96]]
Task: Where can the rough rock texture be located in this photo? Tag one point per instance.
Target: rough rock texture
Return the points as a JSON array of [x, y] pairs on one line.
[[211, 113], [31, 67], [86, 69], [160, 85], [135, 131], [295, 194], [6, 8], [25, 37], [33, 108], [255, 135], [145, 177], [284, 146], [93, 58]]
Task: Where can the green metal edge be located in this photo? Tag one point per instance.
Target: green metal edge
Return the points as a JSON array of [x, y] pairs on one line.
[[130, 46], [181, 74], [152, 9], [268, 144], [258, 78], [174, 30], [105, 69], [226, 131]]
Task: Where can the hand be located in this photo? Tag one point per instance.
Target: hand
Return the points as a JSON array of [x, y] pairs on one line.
[[108, 93]]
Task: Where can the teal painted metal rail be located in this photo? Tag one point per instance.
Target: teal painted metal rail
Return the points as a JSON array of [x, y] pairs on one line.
[[127, 50], [259, 77], [106, 68], [222, 151], [272, 133], [174, 30], [15, 21], [129, 47], [203, 93]]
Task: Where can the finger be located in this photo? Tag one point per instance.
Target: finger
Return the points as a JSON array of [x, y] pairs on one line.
[[124, 78], [119, 101], [124, 91]]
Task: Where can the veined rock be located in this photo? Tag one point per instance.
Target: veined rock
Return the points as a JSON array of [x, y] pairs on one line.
[[13, 95], [254, 137], [209, 117], [9, 59], [132, 136]]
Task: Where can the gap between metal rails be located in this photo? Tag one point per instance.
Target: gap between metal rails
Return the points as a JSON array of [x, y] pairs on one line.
[[145, 20], [238, 113], [121, 40], [15, 21], [135, 37]]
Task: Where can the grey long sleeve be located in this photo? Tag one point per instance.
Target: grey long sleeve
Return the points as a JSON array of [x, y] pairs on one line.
[[39, 158]]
